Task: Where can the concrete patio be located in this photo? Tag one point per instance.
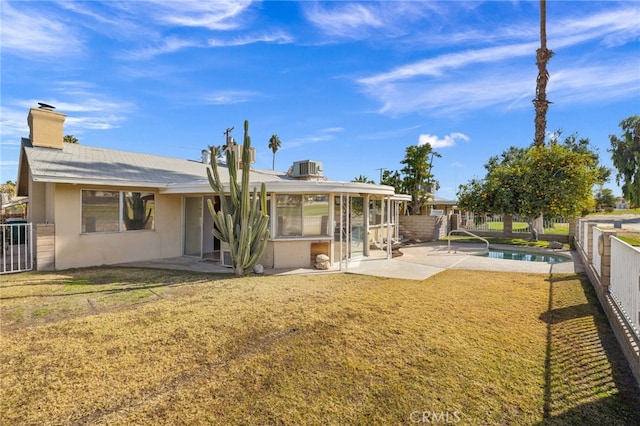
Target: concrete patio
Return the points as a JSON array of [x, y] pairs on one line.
[[418, 262]]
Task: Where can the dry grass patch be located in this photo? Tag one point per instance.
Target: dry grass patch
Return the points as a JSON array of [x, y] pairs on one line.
[[313, 349]]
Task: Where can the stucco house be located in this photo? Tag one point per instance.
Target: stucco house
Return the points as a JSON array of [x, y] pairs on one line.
[[95, 206]]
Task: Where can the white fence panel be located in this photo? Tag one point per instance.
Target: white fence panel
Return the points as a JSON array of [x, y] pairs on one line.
[[16, 248], [625, 280], [579, 232], [585, 234], [597, 258]]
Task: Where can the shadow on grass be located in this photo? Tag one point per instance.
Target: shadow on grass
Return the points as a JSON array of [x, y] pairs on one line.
[[93, 280], [587, 379]]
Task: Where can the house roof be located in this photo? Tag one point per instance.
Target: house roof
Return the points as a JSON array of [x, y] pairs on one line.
[[81, 164], [435, 200]]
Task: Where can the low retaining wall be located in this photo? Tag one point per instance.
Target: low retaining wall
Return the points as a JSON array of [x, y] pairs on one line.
[[422, 228]]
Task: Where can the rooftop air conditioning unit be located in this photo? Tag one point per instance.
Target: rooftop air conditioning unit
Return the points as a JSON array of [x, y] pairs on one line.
[[307, 168]]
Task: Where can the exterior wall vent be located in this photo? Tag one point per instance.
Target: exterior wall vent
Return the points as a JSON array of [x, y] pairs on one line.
[[307, 168]]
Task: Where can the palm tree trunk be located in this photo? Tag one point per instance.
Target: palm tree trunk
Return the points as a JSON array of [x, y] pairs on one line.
[[543, 55]]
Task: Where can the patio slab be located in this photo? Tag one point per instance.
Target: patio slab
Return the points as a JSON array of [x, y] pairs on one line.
[[418, 262]]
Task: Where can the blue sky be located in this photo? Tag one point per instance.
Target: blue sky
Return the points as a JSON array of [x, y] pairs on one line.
[[351, 84]]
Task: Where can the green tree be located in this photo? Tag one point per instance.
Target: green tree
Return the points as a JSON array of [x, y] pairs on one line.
[[625, 154], [554, 181], [392, 178], [415, 178], [274, 146], [540, 103], [70, 139], [604, 198], [362, 179], [242, 221]]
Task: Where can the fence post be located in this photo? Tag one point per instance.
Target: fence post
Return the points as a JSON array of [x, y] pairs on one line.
[[573, 228], [589, 241], [604, 246]]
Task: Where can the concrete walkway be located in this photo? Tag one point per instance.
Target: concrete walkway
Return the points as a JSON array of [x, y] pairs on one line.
[[418, 262]]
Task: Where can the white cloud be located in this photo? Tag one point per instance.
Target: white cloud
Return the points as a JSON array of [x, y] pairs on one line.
[[165, 46], [85, 107], [36, 35], [437, 66], [503, 75], [321, 135], [277, 38], [345, 19], [444, 142], [212, 15], [227, 97]]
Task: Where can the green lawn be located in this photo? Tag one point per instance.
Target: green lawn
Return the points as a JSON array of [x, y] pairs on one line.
[[616, 212], [133, 346]]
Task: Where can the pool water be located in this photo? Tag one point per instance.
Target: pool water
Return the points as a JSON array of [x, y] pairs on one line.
[[525, 256]]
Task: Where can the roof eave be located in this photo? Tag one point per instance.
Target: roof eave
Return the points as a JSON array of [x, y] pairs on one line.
[[98, 182], [290, 186]]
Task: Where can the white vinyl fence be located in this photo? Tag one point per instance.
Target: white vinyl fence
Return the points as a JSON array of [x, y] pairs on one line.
[[625, 280], [16, 248], [597, 257], [613, 267]]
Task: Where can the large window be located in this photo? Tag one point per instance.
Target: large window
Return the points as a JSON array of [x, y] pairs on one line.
[[139, 210], [302, 215], [114, 211], [376, 213]]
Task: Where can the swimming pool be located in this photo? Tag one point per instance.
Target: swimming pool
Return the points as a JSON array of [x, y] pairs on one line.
[[525, 256]]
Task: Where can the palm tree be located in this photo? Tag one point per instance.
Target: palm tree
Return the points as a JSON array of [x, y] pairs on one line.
[[274, 145], [70, 139], [543, 55]]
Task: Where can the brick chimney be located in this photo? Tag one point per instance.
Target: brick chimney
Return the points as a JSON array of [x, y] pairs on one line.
[[46, 127]]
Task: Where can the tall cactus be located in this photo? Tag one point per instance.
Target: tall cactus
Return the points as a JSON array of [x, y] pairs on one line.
[[242, 221]]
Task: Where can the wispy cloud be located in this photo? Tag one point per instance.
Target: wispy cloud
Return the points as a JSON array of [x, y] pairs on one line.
[[442, 142], [86, 109], [165, 46], [346, 19], [362, 20], [474, 78], [321, 135], [277, 38], [212, 15], [436, 67], [29, 33], [228, 97]]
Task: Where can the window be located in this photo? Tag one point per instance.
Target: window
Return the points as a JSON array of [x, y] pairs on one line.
[[100, 211], [375, 212], [302, 215], [139, 209], [115, 211]]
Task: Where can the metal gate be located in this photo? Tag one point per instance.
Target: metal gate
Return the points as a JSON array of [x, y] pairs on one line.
[[16, 247]]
